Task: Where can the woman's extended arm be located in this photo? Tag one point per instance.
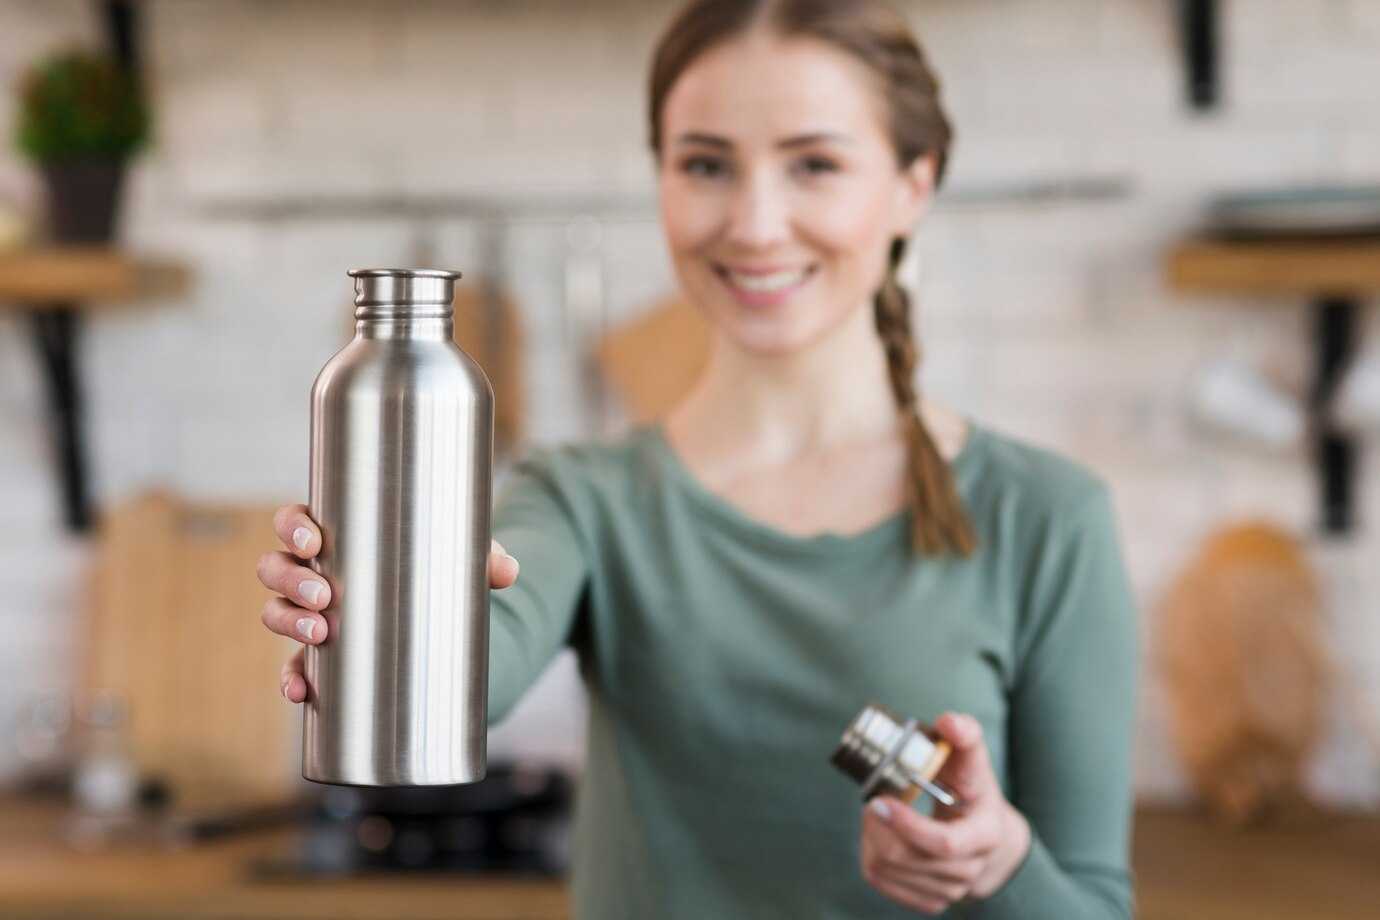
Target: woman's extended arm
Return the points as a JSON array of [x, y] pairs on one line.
[[535, 519]]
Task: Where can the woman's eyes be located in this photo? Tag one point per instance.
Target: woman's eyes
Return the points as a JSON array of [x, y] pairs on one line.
[[715, 167], [817, 165], [707, 167]]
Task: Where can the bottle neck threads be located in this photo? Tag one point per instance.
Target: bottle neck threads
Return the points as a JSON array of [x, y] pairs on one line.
[[404, 295]]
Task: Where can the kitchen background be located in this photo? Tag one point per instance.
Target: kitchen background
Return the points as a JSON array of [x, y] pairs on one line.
[[289, 137]]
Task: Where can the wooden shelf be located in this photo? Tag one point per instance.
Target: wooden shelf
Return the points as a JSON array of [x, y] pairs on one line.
[[53, 287], [1336, 275], [85, 276], [1290, 267]]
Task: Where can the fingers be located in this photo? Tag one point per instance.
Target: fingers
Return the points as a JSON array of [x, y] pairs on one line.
[[956, 839], [895, 855], [926, 897], [894, 867], [297, 530], [292, 681], [968, 771], [883, 846], [302, 538], [287, 619], [280, 572], [503, 568], [304, 593]]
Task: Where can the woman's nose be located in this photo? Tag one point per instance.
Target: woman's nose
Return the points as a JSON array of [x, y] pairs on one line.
[[759, 214]]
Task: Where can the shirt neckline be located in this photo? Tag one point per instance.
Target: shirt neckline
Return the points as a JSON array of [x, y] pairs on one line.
[[885, 531]]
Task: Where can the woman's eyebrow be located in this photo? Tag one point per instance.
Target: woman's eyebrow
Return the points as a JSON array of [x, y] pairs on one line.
[[708, 140], [799, 140], [814, 137]]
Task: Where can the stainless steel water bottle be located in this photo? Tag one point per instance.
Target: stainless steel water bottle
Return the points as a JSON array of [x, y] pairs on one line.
[[401, 486]]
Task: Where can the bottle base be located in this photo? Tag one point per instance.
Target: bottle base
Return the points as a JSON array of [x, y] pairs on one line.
[[464, 779]]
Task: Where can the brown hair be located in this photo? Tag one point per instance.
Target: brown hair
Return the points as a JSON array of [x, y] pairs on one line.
[[878, 36]]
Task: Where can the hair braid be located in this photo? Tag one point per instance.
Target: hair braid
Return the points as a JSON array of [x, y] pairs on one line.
[[939, 521]]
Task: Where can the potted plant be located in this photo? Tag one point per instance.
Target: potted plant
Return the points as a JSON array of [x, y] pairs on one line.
[[81, 117]]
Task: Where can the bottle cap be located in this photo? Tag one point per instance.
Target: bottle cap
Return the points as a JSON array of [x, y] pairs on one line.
[[403, 287], [888, 756]]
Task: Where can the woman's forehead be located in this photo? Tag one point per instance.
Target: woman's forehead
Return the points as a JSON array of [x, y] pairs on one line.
[[763, 89]]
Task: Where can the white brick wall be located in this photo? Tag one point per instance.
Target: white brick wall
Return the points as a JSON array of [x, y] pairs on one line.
[[261, 98]]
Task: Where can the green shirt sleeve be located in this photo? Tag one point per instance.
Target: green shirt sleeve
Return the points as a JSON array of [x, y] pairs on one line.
[[535, 521], [1071, 725]]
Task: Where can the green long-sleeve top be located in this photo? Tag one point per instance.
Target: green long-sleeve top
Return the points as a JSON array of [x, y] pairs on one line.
[[723, 658]]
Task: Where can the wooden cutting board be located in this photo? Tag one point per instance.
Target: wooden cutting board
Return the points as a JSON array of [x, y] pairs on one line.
[[652, 361], [1240, 647], [174, 630]]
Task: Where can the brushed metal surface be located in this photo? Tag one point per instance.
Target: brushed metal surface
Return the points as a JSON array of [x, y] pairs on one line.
[[401, 486]]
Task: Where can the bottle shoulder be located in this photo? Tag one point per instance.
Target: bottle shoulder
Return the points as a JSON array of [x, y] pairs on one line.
[[392, 364]]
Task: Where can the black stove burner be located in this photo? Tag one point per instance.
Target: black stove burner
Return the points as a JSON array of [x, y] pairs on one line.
[[516, 820]]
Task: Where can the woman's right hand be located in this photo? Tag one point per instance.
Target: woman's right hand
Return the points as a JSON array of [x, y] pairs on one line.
[[303, 594]]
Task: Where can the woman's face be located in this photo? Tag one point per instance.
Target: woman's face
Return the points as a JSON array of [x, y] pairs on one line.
[[780, 189]]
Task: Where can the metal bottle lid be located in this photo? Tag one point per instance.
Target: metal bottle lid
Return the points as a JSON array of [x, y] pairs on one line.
[[886, 755], [388, 292]]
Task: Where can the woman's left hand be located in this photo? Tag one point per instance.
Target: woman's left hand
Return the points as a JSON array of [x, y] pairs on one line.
[[967, 851]]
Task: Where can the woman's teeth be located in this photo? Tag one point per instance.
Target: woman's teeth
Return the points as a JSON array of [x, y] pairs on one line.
[[777, 281]]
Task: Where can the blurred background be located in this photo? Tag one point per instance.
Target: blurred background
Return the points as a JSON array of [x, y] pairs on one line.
[[1155, 253]]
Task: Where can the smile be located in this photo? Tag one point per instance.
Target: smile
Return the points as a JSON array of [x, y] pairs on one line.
[[764, 288]]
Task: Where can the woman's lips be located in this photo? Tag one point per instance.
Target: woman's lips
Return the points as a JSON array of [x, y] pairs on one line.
[[764, 288]]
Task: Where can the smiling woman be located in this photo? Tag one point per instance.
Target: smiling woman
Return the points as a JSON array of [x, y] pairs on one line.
[[803, 534], [793, 161]]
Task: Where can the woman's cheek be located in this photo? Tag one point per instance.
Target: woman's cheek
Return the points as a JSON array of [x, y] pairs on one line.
[[847, 220], [690, 217]]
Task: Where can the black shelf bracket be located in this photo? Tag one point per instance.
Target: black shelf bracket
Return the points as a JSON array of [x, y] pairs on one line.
[[1335, 450], [1198, 33], [55, 332]]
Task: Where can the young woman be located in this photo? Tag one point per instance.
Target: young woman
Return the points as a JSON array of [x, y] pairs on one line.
[[804, 534]]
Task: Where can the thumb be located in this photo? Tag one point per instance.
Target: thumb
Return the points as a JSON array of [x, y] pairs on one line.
[[961, 730], [968, 771]]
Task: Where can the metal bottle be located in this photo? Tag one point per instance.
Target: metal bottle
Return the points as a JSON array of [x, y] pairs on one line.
[[401, 487]]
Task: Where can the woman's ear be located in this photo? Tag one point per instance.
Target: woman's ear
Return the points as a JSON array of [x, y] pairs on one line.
[[914, 189]]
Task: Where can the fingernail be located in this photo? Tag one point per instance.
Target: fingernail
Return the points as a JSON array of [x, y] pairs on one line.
[[513, 561], [301, 537], [880, 808], [283, 685], [306, 626], [310, 591]]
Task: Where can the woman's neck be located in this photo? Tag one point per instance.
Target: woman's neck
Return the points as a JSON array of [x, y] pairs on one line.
[[763, 410]]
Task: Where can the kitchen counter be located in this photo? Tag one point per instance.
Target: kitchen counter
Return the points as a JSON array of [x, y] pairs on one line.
[[1312, 866], [1309, 864], [42, 877]]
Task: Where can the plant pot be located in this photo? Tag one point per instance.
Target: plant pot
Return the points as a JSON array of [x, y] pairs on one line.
[[83, 199]]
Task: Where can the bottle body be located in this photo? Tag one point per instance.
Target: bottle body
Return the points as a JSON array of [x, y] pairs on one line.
[[401, 487]]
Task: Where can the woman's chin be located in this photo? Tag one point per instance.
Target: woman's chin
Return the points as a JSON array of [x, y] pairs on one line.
[[769, 339], [773, 331]]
